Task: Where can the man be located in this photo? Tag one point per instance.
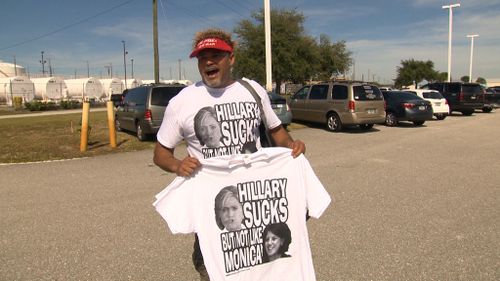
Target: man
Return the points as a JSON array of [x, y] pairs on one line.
[[236, 111]]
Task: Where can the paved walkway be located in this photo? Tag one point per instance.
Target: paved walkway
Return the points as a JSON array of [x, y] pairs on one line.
[[51, 112]]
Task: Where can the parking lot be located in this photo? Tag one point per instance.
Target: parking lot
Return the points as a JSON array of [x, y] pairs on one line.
[[411, 203]]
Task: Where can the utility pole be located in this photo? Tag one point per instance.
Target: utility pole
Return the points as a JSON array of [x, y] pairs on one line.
[[88, 70], [155, 43], [43, 65], [50, 68], [124, 63], [15, 66], [450, 24], [132, 60]]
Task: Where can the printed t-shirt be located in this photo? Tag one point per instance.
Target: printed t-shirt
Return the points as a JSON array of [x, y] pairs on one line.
[[274, 191], [216, 122]]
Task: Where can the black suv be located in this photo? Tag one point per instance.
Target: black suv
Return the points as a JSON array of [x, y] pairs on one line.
[[142, 108], [462, 97]]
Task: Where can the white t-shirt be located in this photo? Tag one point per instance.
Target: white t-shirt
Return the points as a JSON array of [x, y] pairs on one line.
[[227, 120], [273, 190]]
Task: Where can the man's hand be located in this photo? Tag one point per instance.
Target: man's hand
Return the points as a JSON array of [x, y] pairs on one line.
[[187, 166], [298, 147]]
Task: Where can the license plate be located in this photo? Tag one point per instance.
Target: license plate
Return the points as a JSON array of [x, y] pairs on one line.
[[371, 111], [437, 103], [473, 97], [422, 107], [279, 105]]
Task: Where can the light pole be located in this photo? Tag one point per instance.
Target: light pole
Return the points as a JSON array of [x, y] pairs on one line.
[[471, 36], [267, 35], [124, 64], [450, 23]]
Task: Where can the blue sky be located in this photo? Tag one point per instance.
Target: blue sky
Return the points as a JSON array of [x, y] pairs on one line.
[[379, 33]]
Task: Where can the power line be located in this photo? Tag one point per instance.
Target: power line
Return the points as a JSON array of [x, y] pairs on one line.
[[67, 26]]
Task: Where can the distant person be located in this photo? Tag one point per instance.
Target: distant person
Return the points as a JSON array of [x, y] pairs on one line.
[[228, 209], [277, 238], [206, 127]]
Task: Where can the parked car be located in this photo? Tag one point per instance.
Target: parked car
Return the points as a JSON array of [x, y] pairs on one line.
[[281, 108], [439, 103], [462, 97], [492, 97], [404, 106], [339, 104], [143, 107]]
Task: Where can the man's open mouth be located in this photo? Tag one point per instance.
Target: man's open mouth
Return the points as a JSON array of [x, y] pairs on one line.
[[212, 72]]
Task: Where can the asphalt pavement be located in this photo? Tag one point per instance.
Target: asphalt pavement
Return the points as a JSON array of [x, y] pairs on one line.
[[411, 203]]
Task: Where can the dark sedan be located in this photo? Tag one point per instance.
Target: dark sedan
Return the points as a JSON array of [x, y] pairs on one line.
[[281, 108], [403, 106]]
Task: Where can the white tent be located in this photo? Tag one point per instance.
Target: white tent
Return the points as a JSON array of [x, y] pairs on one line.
[[19, 86], [84, 88], [112, 86], [50, 88]]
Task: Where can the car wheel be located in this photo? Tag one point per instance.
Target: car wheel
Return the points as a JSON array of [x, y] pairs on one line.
[[418, 123], [441, 116], [333, 122], [467, 112], [390, 119], [117, 124], [487, 109], [366, 127], [140, 132]]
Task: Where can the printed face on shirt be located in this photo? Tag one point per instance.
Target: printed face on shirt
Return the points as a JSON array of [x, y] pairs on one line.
[[210, 131], [215, 67], [231, 214], [272, 244]]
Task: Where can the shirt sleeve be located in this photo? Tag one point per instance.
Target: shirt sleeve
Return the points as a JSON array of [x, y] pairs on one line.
[[318, 198], [175, 206], [170, 132]]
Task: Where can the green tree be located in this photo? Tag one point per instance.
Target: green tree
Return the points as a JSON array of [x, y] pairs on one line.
[[335, 58], [481, 80], [296, 57], [413, 71], [465, 78]]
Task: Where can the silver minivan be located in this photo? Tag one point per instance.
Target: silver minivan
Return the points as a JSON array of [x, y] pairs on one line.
[[143, 107], [339, 104]]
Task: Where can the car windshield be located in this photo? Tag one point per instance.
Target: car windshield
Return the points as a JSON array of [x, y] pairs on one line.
[[432, 95], [162, 95], [367, 92]]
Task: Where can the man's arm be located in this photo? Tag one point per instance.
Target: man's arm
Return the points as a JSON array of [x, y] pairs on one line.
[[165, 159], [283, 139]]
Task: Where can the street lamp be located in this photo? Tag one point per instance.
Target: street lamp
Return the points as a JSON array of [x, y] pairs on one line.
[[450, 23], [124, 63], [471, 36]]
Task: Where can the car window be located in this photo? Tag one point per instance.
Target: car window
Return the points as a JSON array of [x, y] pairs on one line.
[[318, 92], [136, 96], [162, 95], [339, 92], [432, 95], [471, 89], [436, 86], [453, 88], [302, 93], [366, 92]]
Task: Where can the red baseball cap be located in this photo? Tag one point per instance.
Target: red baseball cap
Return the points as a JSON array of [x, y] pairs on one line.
[[211, 43]]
